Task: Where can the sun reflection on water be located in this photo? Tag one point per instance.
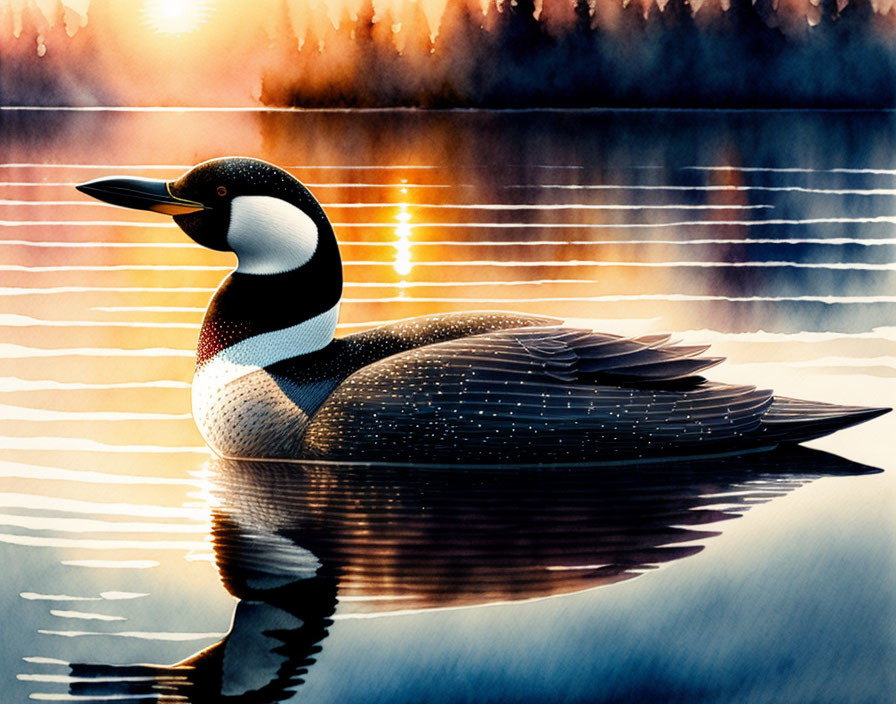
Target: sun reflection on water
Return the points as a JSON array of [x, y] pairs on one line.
[[403, 232]]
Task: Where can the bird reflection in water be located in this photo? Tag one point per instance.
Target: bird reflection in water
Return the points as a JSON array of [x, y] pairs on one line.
[[294, 540]]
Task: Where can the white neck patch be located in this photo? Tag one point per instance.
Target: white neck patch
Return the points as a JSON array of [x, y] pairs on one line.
[[269, 235], [268, 348]]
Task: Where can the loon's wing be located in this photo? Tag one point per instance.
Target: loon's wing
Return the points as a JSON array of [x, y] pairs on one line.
[[534, 394]]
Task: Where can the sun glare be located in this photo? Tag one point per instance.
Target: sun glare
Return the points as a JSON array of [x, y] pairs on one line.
[[175, 16]]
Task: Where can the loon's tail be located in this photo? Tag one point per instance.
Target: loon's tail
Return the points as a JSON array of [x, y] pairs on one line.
[[792, 420]]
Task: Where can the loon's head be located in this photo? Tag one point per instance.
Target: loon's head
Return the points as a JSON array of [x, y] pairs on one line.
[[247, 206]]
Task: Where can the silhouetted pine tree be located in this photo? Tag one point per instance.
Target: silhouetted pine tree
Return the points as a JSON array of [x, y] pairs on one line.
[[583, 18], [521, 35], [461, 58]]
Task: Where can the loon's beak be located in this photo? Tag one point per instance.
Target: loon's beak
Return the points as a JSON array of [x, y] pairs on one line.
[[140, 193]]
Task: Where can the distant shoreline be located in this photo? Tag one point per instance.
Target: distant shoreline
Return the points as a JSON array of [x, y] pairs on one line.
[[296, 109]]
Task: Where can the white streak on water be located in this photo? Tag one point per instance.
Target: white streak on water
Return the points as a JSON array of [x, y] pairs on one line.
[[44, 661], [10, 351], [878, 333], [627, 225], [732, 189], [26, 184], [28, 291], [382, 184], [21, 470], [108, 596], [90, 698], [200, 557], [86, 223], [149, 309], [550, 206], [35, 201], [114, 267], [86, 616], [37, 502], [32, 596], [112, 564], [581, 243], [143, 635], [841, 362], [485, 243], [858, 266], [35, 165], [50, 444], [365, 599], [789, 170], [118, 596], [50, 244], [96, 544], [68, 679], [10, 413], [11, 383], [41, 502], [24, 321], [87, 525]]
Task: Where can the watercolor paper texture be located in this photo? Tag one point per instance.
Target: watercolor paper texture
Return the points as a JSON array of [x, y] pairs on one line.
[[723, 171]]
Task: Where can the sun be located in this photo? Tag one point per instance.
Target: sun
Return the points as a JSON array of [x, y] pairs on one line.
[[175, 16]]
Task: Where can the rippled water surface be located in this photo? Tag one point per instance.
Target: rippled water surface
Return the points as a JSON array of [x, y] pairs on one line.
[[137, 568]]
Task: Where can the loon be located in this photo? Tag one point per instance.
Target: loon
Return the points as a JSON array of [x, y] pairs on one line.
[[272, 381]]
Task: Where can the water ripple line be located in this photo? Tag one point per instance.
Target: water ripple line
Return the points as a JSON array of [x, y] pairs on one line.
[[12, 384], [98, 544], [66, 444], [25, 413], [21, 470], [45, 502], [11, 351]]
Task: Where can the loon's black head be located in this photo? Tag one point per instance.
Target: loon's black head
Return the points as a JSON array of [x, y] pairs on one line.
[[247, 206]]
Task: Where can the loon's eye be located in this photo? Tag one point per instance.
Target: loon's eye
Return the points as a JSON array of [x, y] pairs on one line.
[[221, 191]]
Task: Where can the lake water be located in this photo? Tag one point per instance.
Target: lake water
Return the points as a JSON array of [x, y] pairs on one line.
[[136, 568]]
